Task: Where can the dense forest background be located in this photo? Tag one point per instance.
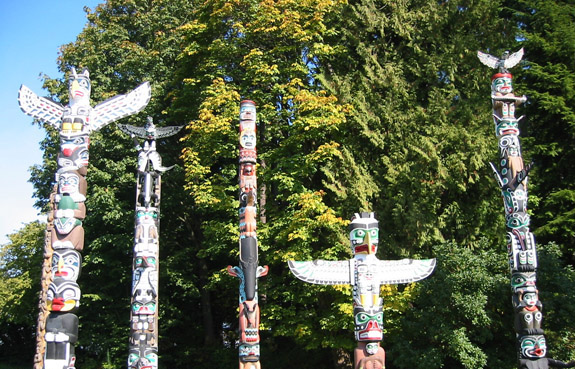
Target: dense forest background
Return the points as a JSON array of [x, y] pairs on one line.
[[378, 105]]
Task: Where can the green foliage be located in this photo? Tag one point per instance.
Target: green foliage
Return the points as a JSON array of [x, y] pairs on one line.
[[20, 267], [419, 129], [546, 31], [462, 316]]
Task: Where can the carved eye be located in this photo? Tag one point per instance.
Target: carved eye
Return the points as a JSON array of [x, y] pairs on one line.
[[361, 318]]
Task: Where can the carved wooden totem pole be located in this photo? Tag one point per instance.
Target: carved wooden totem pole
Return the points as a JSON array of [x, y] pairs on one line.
[[248, 270], [57, 331], [366, 273], [144, 303], [512, 179]]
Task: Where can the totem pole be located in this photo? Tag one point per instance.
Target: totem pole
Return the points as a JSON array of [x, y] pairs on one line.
[[57, 330], [366, 273], [248, 271], [144, 303], [512, 179]]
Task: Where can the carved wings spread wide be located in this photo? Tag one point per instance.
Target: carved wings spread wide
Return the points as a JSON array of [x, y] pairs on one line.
[[167, 131], [342, 272], [323, 271], [120, 106], [41, 108], [48, 111], [494, 62], [404, 271], [140, 132]]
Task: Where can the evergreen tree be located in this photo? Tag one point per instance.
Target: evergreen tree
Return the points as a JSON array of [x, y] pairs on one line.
[[420, 121]]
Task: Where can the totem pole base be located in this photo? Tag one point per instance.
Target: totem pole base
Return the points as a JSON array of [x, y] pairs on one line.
[[365, 359]]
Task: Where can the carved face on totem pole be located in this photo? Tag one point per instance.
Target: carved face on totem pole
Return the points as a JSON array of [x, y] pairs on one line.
[[146, 215], [249, 352], [66, 264], [364, 234], [368, 323], [502, 83], [79, 87], [72, 184], [63, 296], [74, 153], [150, 128], [143, 358], [523, 281], [145, 260], [144, 287], [248, 139], [247, 111], [532, 346]]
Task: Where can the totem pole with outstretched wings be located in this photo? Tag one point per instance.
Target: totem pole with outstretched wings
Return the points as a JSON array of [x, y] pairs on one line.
[[57, 331], [366, 273]]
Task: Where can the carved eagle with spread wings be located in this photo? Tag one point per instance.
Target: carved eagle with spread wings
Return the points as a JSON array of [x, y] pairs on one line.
[[150, 131], [52, 113], [506, 61], [343, 272]]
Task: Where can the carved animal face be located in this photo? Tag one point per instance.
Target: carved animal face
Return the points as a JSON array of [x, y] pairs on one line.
[[143, 358], [79, 87], [368, 323], [364, 234]]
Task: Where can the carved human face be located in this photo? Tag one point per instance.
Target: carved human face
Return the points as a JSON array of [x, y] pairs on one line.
[[63, 295], [368, 323], [247, 110], [533, 346], [68, 183], [502, 84], [66, 264], [249, 351], [248, 139]]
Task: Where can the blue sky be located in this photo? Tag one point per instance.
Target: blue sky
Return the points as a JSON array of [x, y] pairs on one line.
[[31, 33]]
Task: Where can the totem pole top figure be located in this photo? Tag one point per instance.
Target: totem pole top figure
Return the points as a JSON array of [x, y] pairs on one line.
[[506, 61], [365, 271], [147, 150], [79, 118], [150, 132]]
